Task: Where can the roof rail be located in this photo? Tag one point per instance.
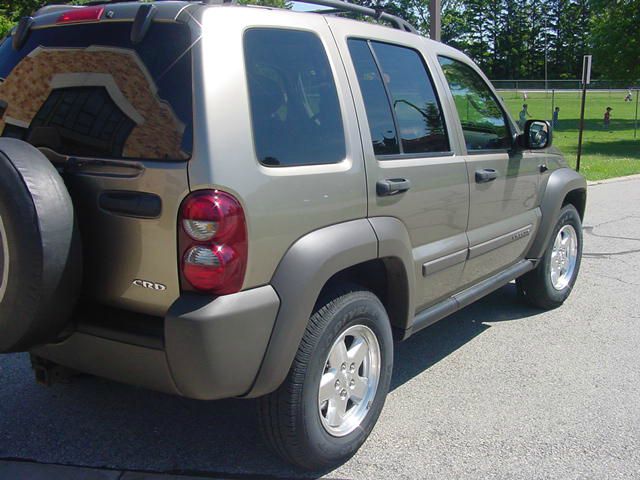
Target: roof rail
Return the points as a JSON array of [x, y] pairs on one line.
[[337, 6]]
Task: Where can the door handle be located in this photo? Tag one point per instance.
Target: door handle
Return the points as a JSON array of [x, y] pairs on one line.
[[392, 186], [486, 175]]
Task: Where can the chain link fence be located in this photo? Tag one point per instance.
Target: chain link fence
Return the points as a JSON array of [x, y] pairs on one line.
[[548, 85]]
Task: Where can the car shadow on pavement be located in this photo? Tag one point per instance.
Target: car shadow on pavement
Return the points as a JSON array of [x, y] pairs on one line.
[[427, 347], [98, 423]]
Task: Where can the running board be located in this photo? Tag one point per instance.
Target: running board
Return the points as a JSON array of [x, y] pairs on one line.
[[460, 300]]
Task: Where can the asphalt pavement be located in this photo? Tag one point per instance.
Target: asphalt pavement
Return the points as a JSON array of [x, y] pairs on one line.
[[498, 390]]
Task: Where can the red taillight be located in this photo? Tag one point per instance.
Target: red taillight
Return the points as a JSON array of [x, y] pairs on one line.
[[86, 14], [213, 243]]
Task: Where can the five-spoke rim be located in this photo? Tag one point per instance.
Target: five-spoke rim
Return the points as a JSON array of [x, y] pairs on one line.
[[564, 257], [349, 380], [4, 260]]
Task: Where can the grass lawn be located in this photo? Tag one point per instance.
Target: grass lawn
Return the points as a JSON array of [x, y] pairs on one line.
[[606, 153]]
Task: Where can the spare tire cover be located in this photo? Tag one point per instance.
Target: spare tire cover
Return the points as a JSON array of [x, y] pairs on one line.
[[40, 257]]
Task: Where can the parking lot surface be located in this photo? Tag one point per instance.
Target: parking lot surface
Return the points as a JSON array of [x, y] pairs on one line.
[[498, 390]]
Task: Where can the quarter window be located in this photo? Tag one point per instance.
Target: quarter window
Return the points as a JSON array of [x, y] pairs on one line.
[[294, 102], [399, 98], [484, 123]]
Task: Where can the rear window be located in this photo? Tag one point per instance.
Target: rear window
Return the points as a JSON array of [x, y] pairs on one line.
[[294, 103], [85, 90]]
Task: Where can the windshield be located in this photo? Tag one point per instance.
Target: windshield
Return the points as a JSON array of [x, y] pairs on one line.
[[85, 90]]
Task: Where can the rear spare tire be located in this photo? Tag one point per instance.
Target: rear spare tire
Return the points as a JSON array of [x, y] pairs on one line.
[[40, 261]]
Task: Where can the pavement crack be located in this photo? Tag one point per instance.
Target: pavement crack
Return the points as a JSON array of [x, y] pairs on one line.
[[621, 280], [610, 254], [614, 220]]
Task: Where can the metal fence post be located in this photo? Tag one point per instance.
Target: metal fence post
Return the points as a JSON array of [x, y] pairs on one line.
[[586, 79], [635, 127], [553, 107]]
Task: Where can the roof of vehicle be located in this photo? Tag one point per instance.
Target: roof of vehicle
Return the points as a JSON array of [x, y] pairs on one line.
[[171, 10]]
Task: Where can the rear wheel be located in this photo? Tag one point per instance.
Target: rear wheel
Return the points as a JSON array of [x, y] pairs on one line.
[[335, 391], [551, 282]]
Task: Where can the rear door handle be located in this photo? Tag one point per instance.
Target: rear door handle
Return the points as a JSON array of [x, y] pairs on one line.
[[392, 186], [486, 175]]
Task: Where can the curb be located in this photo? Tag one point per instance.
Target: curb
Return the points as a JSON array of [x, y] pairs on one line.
[[613, 180], [25, 470], [17, 469]]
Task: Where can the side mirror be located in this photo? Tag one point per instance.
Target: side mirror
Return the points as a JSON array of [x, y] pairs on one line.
[[536, 136]]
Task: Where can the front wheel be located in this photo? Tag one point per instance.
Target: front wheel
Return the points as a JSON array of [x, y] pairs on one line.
[[551, 282], [335, 391]]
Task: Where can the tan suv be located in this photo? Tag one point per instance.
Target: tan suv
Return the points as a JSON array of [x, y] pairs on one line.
[[219, 201]]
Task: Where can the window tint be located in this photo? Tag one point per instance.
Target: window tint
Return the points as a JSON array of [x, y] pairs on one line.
[[415, 104], [483, 121], [379, 115], [294, 103], [86, 90]]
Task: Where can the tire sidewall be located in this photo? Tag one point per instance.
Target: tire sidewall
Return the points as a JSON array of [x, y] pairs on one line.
[[43, 245], [568, 216], [364, 310]]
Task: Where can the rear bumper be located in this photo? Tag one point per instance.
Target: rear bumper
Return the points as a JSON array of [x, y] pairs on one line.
[[211, 348]]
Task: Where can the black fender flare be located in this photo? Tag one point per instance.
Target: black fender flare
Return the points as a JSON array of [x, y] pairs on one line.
[[300, 277], [560, 183]]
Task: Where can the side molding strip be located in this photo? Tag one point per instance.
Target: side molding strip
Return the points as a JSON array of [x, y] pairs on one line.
[[439, 264], [500, 241]]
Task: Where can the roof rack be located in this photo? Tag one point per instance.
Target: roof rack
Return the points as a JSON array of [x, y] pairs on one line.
[[338, 6], [334, 7]]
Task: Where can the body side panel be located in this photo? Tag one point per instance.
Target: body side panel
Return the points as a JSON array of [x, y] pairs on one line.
[[281, 204]]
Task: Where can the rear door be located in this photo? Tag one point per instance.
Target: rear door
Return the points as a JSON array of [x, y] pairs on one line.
[[115, 117], [409, 150], [503, 179]]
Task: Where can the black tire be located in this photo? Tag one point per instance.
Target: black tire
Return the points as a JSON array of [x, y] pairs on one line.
[[290, 418], [40, 262], [536, 287]]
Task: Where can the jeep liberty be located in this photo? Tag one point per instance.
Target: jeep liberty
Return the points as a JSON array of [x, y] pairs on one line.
[[220, 201]]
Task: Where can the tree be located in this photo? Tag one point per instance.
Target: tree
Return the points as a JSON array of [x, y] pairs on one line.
[[616, 39], [5, 25], [16, 9], [267, 3]]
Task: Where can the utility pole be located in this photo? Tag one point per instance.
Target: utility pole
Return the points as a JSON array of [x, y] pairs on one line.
[[435, 11]]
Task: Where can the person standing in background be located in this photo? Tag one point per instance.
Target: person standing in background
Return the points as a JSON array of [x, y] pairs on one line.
[[607, 117], [524, 113], [554, 119], [629, 97]]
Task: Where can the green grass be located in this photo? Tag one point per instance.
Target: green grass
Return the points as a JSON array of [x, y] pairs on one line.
[[606, 153]]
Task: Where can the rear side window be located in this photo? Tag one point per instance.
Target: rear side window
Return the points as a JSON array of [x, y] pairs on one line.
[[412, 120], [483, 122], [294, 103], [85, 90], [379, 114]]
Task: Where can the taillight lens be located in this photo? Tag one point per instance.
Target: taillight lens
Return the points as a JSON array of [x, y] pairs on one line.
[[86, 14], [213, 243]]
